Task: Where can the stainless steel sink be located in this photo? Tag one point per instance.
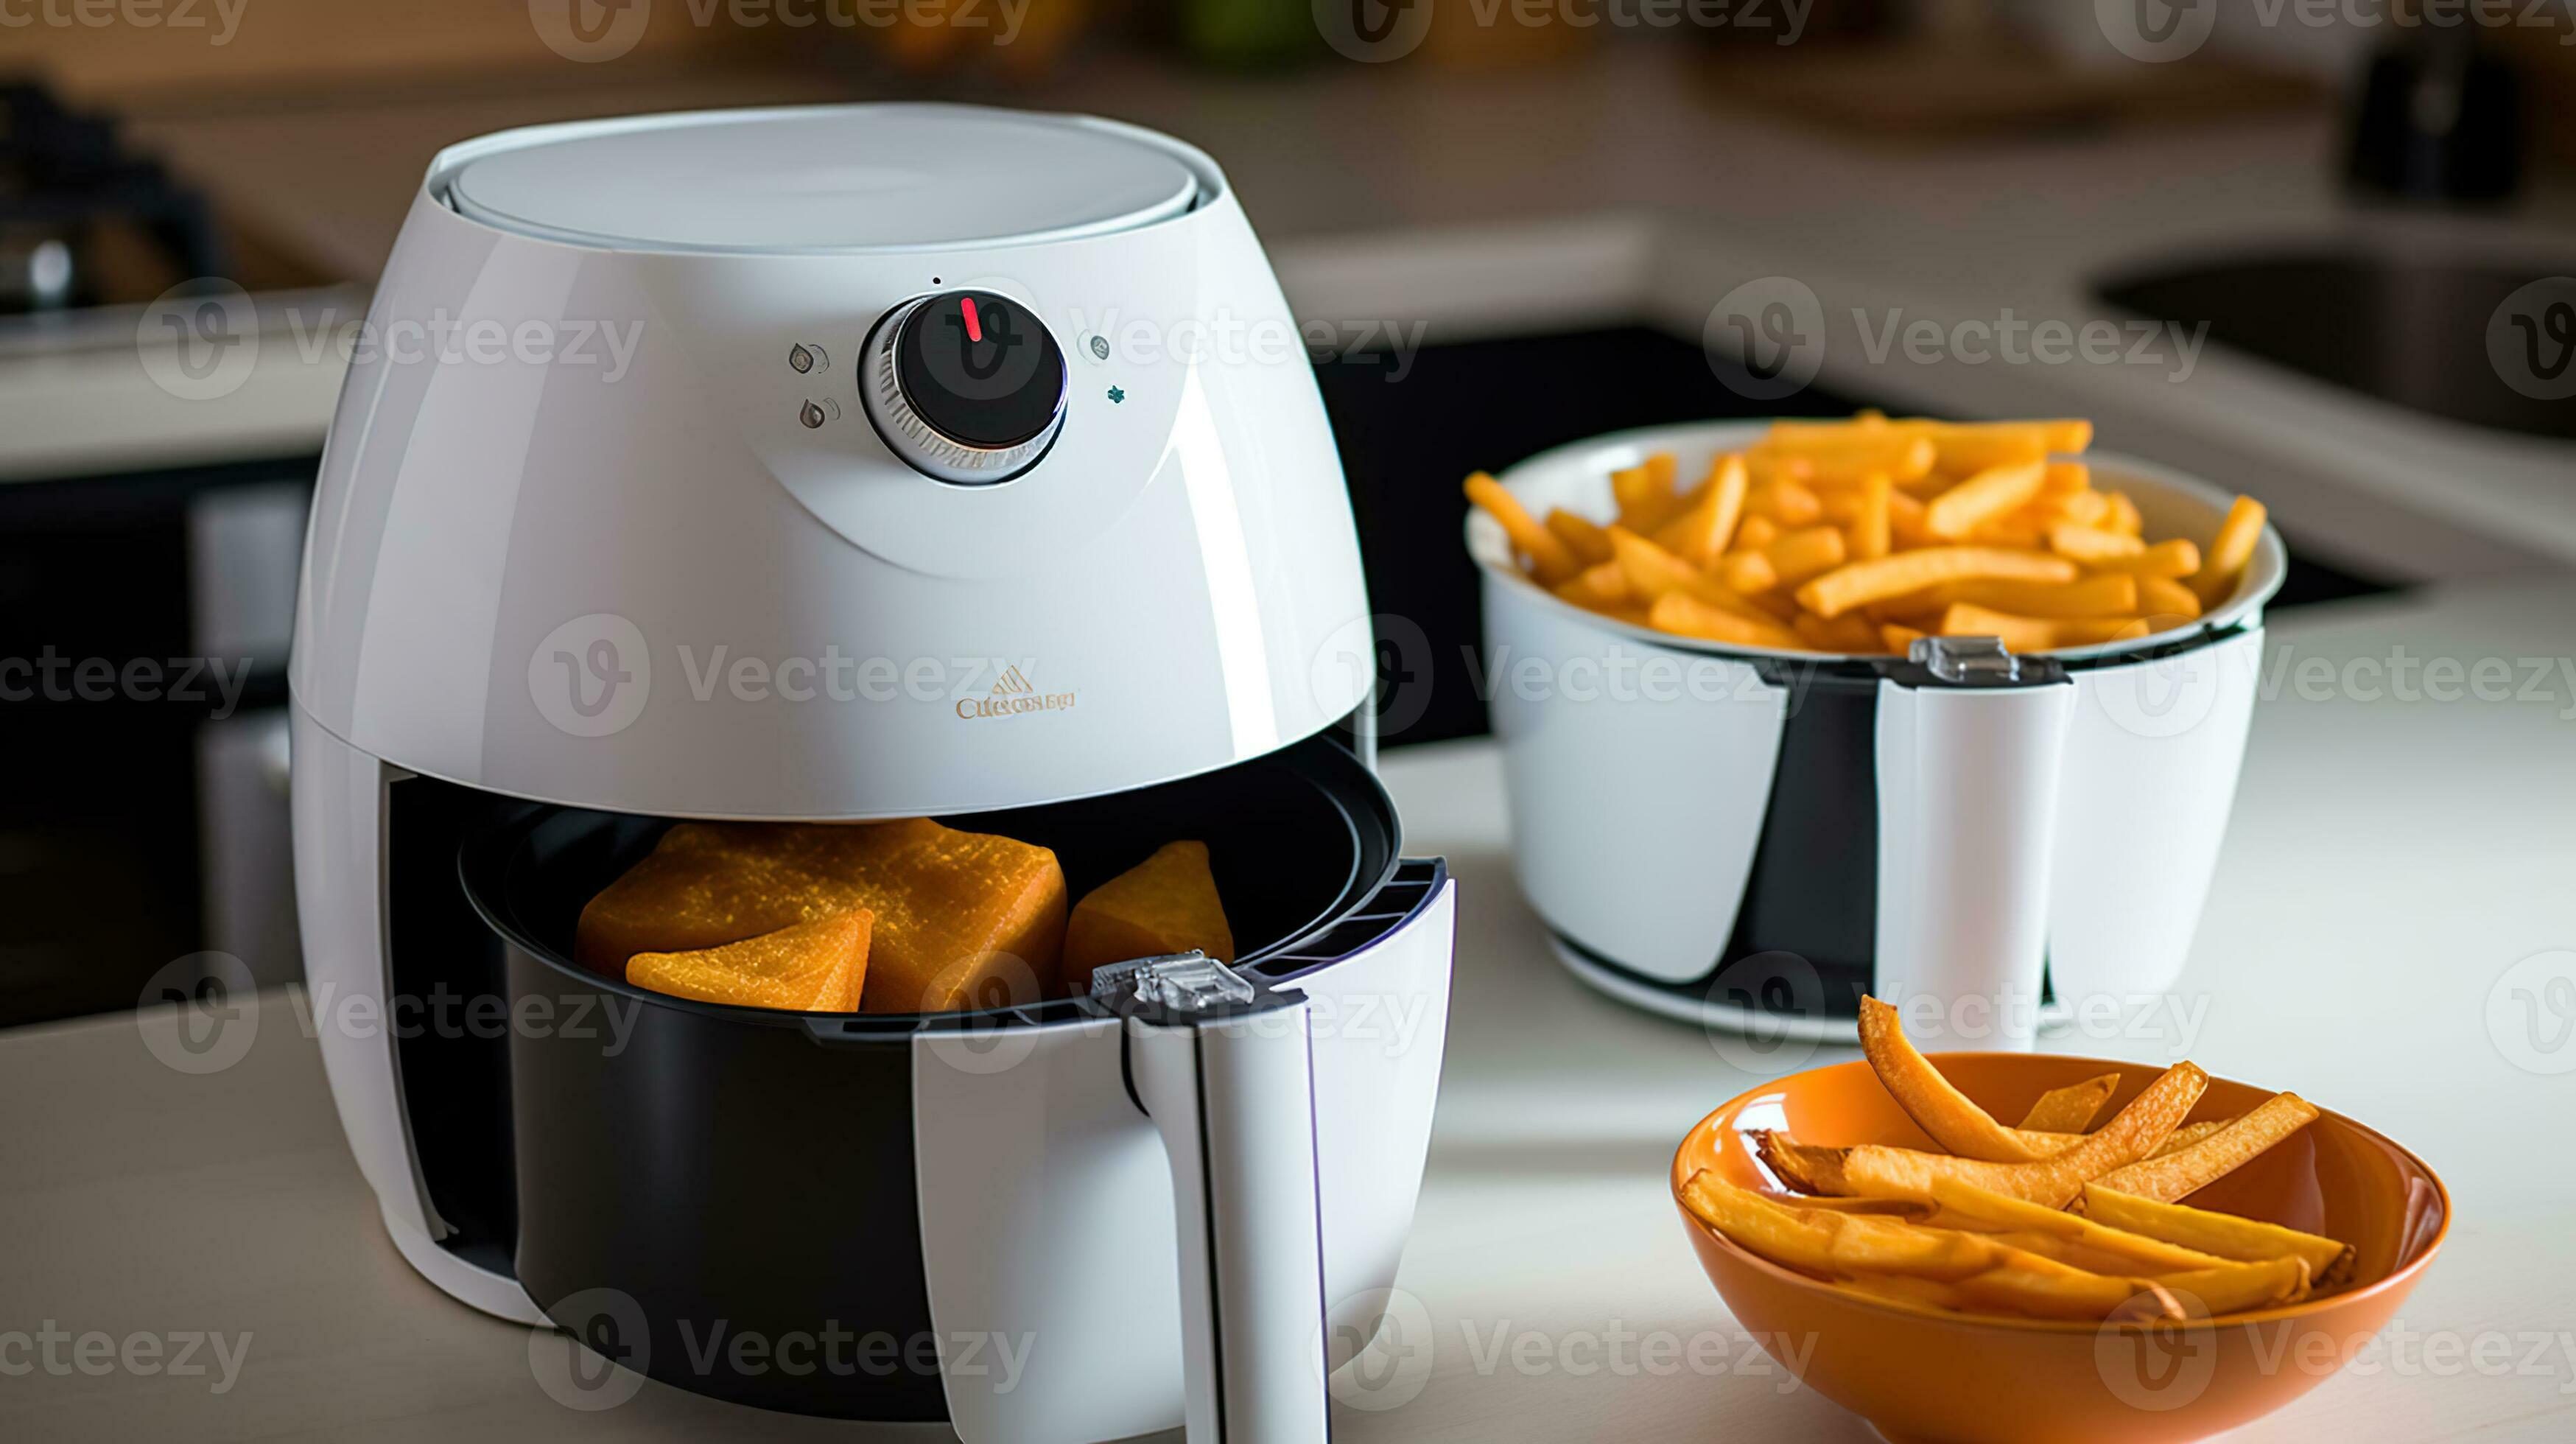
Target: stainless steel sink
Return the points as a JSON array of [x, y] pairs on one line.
[[2411, 332]]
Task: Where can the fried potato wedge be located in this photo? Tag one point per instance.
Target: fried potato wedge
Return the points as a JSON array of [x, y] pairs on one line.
[[2068, 1109], [2222, 1234], [2235, 1287], [2190, 1169], [2135, 1252], [2187, 1135], [1876, 1170], [1813, 1170], [2043, 1288], [1939, 1108]]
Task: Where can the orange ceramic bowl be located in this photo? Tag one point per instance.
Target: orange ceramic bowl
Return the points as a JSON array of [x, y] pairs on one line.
[[1923, 1374]]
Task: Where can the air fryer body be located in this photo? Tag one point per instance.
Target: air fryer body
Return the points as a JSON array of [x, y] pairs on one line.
[[644, 555]]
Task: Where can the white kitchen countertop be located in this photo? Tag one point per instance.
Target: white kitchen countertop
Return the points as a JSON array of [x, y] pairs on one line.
[[1612, 188], [2390, 861]]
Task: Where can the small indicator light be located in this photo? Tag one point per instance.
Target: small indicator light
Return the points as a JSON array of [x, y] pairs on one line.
[[974, 323]]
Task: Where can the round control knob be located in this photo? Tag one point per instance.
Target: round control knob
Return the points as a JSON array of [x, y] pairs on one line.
[[966, 386]]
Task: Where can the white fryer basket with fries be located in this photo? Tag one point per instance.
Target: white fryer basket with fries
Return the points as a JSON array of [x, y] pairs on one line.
[[1756, 838]]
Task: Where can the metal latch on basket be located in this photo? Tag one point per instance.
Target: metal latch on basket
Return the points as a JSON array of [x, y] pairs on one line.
[[1977, 662], [1183, 982]]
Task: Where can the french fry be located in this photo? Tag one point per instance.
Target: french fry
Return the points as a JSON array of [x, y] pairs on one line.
[[1653, 571], [2108, 596], [2233, 1288], [2124, 515], [2190, 1169], [2167, 559], [1748, 1220], [2091, 543], [1601, 588], [1786, 502], [1853, 453], [1700, 534], [1684, 615], [1934, 1103], [1747, 572], [1589, 543], [1551, 561], [1878, 1171], [1755, 533], [2084, 508], [2018, 634], [2068, 479], [1850, 632], [2187, 1135], [1813, 1170], [2222, 1234], [1871, 536], [2134, 1252], [1857, 583], [1899, 638], [1810, 551], [2046, 1289], [1987, 495], [1913, 1210], [2229, 551], [2164, 597], [1645, 493], [2068, 1109], [1905, 520]]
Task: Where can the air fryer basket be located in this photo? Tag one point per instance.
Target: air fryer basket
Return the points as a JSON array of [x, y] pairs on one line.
[[1296, 840], [702, 1163]]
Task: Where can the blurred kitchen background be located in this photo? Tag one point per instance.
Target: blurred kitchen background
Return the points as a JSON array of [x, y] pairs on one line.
[[2326, 235]]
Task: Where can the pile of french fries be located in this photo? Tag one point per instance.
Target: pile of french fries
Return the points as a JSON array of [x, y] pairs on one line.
[[2040, 1220], [1860, 536]]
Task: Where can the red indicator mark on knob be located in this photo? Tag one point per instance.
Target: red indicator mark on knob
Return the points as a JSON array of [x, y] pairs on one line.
[[974, 323]]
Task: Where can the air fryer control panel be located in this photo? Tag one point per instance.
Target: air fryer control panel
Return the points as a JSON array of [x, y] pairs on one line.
[[966, 387]]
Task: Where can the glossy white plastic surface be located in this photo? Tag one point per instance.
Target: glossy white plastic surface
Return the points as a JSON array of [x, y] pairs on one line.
[[826, 178], [614, 567], [1967, 831], [1047, 1194], [1234, 1101]]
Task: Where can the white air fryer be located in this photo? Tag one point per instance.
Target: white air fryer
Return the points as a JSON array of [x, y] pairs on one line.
[[853, 463]]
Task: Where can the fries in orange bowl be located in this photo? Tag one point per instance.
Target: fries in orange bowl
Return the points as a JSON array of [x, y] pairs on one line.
[[1905, 1284], [1855, 537]]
